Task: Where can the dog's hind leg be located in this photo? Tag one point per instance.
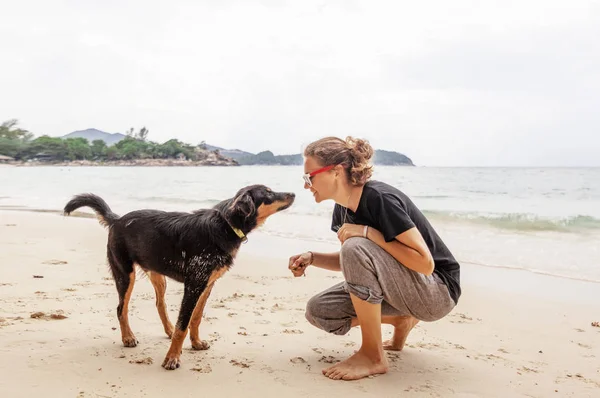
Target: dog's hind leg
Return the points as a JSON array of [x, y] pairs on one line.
[[124, 279], [198, 344], [160, 286], [192, 291]]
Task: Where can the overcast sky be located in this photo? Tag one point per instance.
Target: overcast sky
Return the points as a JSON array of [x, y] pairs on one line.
[[448, 83]]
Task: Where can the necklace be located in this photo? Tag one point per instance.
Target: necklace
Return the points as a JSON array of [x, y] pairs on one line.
[[346, 213]]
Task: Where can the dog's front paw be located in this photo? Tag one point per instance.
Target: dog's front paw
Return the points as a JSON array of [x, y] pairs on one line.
[[200, 345], [171, 363], [130, 341]]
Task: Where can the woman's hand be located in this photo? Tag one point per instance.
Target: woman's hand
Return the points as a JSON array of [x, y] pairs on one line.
[[299, 262], [348, 231]]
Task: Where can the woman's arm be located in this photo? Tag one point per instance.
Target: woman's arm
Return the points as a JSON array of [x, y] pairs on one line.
[[409, 248], [328, 261]]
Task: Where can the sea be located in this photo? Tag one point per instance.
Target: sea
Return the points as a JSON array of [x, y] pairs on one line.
[[542, 220]]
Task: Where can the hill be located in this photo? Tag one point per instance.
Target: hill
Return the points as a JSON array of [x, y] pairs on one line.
[[381, 157], [268, 158], [391, 158], [235, 154], [95, 134]]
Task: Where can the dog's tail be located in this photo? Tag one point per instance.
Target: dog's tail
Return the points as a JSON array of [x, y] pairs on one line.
[[96, 203]]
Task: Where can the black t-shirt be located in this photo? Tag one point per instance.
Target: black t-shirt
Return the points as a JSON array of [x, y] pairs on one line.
[[391, 212]]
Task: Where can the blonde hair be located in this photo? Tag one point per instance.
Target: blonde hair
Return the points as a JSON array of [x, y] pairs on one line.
[[353, 154]]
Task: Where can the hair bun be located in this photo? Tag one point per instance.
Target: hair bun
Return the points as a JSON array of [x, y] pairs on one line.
[[361, 149], [362, 152]]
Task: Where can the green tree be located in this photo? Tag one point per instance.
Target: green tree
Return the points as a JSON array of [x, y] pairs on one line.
[[9, 130], [13, 141], [98, 149], [78, 149], [173, 148], [112, 153], [131, 148], [11, 148], [53, 147], [143, 134]]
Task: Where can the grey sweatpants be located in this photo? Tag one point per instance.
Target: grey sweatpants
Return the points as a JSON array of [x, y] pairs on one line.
[[373, 275]]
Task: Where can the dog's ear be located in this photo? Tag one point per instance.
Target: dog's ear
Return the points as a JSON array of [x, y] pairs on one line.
[[243, 205]]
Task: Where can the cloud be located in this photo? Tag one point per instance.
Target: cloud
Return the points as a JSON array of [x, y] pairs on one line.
[[461, 83]]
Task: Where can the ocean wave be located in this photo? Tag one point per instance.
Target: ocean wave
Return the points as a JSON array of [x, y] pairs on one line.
[[521, 221], [434, 196], [166, 199]]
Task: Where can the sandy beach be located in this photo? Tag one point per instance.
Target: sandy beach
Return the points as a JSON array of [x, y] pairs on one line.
[[513, 333]]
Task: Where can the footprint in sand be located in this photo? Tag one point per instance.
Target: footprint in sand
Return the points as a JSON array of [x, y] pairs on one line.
[[55, 262], [241, 364], [202, 369], [393, 356], [237, 296], [56, 315], [328, 359], [292, 331], [580, 377], [462, 318], [525, 369], [428, 346], [142, 361]]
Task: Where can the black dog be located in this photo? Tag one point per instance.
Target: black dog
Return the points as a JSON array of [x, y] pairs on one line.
[[193, 248]]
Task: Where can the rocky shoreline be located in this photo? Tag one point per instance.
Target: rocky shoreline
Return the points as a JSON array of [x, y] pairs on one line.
[[130, 163]]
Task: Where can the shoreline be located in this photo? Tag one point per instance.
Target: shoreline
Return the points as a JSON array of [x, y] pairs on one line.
[[92, 216], [127, 163]]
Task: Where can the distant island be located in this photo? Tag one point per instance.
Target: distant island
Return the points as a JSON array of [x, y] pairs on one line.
[[95, 147]]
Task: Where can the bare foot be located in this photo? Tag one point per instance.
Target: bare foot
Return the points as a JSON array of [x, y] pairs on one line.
[[401, 331], [356, 367]]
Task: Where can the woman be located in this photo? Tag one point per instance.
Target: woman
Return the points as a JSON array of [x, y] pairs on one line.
[[396, 268]]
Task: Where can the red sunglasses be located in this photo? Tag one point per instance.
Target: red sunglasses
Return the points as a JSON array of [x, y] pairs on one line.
[[307, 177]]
